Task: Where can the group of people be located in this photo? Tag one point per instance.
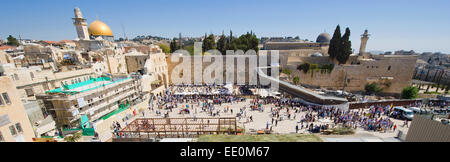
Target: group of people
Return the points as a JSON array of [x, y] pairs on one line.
[[193, 103], [198, 90], [318, 118], [313, 118], [116, 128]]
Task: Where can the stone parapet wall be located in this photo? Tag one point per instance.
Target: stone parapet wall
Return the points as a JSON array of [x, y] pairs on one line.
[[398, 71]]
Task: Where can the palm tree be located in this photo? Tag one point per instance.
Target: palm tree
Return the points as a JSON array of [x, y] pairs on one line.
[[73, 138]]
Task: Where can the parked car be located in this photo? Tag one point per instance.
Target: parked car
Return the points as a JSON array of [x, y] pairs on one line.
[[402, 113], [416, 110], [438, 111]]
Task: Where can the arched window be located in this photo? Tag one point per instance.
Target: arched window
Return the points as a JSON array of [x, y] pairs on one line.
[[389, 68]]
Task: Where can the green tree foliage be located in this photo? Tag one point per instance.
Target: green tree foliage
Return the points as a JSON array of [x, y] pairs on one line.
[[174, 46], [340, 47], [296, 80], [12, 41], [231, 43], [165, 48], [245, 42], [410, 92], [373, 88], [304, 67], [314, 66], [287, 71], [73, 138], [222, 44], [328, 67], [248, 42], [209, 43], [344, 55], [190, 49], [335, 43]]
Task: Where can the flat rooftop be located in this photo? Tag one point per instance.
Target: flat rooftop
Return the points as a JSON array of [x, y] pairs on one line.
[[91, 84]]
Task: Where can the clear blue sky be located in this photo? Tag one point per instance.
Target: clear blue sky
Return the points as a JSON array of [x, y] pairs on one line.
[[421, 25]]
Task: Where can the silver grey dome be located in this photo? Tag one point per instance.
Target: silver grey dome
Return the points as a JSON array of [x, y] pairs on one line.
[[317, 54], [323, 38]]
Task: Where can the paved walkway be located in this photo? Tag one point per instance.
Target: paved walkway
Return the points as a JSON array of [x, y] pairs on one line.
[[260, 120], [362, 137]]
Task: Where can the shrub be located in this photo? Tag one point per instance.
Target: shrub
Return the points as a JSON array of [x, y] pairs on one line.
[[286, 71], [373, 88], [314, 66], [296, 80], [328, 67], [410, 92], [304, 67], [343, 131]]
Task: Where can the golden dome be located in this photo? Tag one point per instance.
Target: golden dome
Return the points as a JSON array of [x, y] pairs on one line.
[[98, 28]]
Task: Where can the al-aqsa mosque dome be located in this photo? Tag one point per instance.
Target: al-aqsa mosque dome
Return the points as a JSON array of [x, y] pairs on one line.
[[323, 38], [99, 29]]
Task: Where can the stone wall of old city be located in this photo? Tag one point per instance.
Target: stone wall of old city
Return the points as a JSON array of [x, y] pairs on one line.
[[241, 68], [433, 75], [397, 71], [393, 73]]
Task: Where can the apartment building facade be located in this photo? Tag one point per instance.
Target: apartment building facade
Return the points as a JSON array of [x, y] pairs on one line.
[[14, 123], [96, 98]]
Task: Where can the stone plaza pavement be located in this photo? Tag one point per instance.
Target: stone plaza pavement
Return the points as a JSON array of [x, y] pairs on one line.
[[260, 120]]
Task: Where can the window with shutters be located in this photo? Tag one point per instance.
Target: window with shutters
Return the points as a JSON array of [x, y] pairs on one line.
[[6, 98], [12, 130], [19, 128], [29, 92]]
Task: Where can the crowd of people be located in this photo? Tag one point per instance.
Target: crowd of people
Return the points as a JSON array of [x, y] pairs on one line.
[[312, 118], [116, 127], [198, 90]]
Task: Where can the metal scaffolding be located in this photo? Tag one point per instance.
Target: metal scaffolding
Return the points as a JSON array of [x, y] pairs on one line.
[[151, 128]]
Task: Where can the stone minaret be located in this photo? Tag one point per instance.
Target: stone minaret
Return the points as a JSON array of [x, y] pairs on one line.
[[364, 39], [81, 25]]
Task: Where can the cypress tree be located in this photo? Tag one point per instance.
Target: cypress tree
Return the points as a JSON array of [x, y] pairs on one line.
[[209, 43], [335, 43], [232, 44], [346, 49], [173, 46], [222, 44]]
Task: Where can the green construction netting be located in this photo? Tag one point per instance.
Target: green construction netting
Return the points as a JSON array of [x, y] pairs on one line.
[[122, 107], [66, 89], [71, 129], [85, 122], [88, 132]]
